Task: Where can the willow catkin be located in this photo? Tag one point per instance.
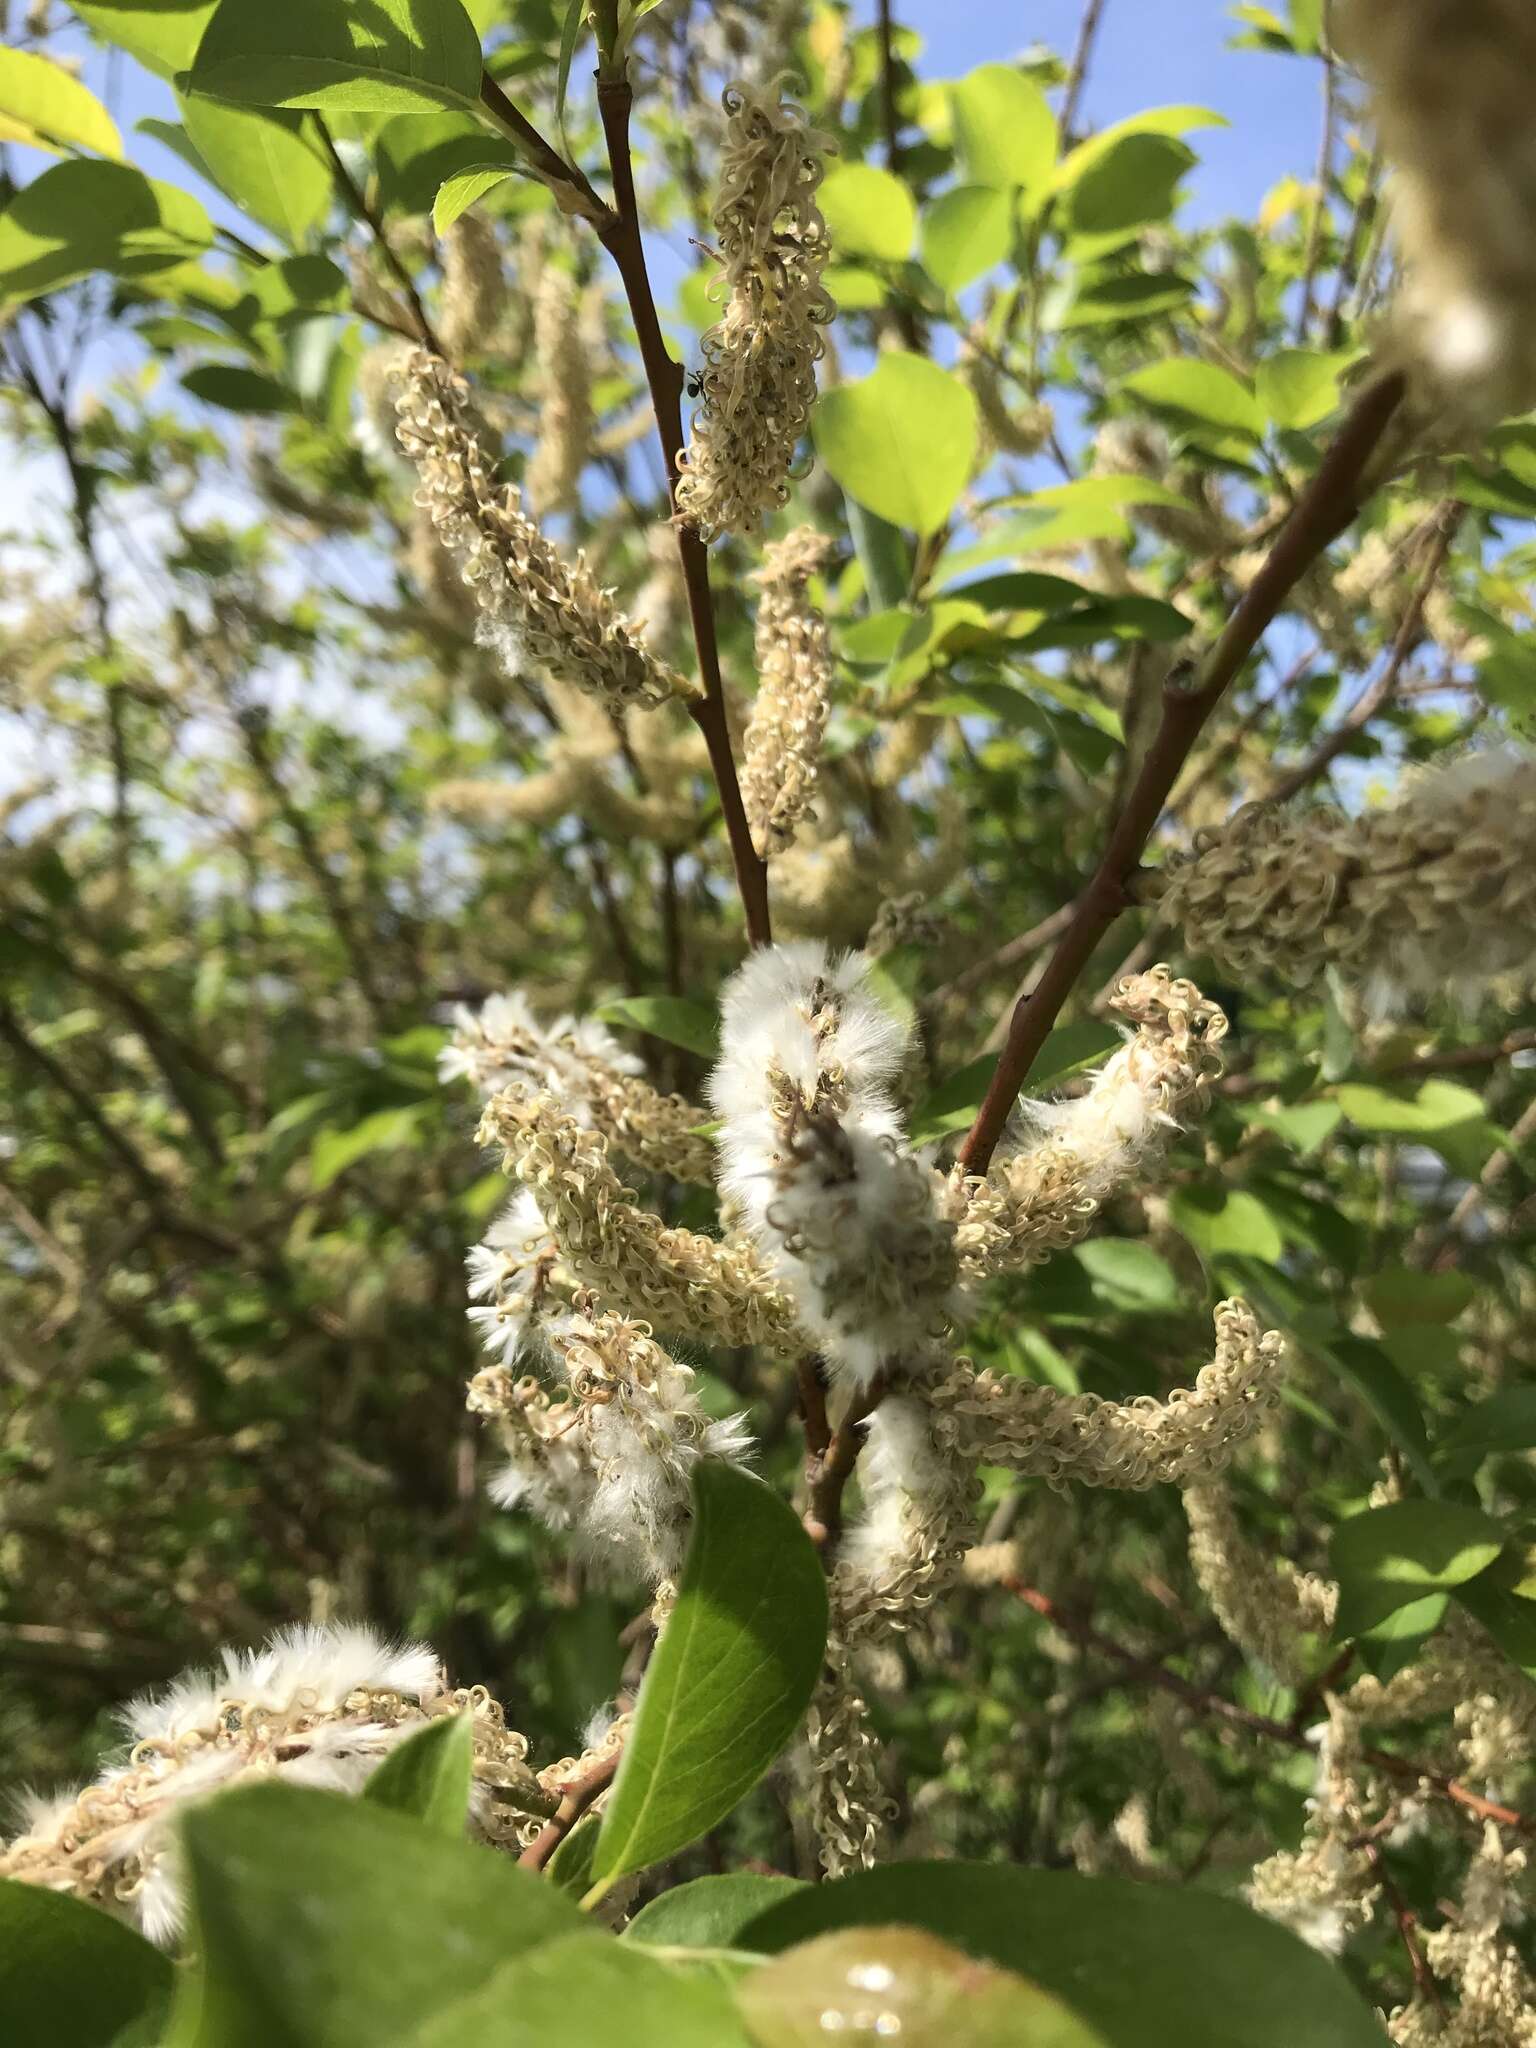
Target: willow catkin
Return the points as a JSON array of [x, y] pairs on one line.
[[1450, 92], [789, 715], [758, 382], [553, 479], [535, 607], [1436, 891], [474, 286]]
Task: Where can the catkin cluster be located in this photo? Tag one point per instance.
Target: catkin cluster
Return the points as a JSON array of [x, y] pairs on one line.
[[782, 745], [315, 1706], [1436, 891], [758, 381], [1449, 83], [535, 607]]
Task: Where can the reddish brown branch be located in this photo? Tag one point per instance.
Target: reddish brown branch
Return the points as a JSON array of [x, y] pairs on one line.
[[576, 1798], [1407, 1925], [828, 1473], [1324, 509]]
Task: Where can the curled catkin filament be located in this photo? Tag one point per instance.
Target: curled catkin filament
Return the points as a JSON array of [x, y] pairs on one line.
[[535, 607], [1436, 891], [758, 382], [794, 683]]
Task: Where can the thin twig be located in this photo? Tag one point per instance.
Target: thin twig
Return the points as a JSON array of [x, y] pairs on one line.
[[1320, 203], [576, 1797], [1077, 76], [358, 205], [1407, 1925], [830, 1473], [1324, 509]]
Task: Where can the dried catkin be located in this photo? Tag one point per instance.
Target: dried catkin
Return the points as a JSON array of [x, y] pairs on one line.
[[474, 286], [758, 381], [535, 607], [1436, 891], [1450, 91], [553, 479], [794, 682]]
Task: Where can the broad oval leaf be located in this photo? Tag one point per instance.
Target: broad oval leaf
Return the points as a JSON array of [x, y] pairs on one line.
[[238, 389], [1200, 391], [319, 1919], [428, 1776], [868, 212], [677, 1019], [263, 161], [901, 440], [162, 34], [1297, 387], [84, 216], [965, 233], [1004, 130], [708, 1912], [1504, 1422], [1392, 1555], [42, 105], [70, 1974], [1140, 1963], [1436, 1105], [381, 57], [885, 1982], [1130, 183], [730, 1678]]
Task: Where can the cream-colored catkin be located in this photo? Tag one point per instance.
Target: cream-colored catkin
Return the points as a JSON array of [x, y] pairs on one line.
[[1036, 1430], [1449, 91], [718, 1291], [535, 606], [1012, 429], [850, 1810], [1265, 1606], [783, 739], [758, 381], [1433, 892], [474, 286], [553, 479]]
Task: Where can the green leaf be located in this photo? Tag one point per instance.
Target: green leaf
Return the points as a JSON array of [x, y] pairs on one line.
[[1388, 1556], [1303, 1125], [966, 233], [883, 554], [901, 1981], [1201, 391], [1508, 1617], [1434, 1106], [1128, 183], [678, 1019], [1220, 1221], [582, 1992], [1067, 1051], [1297, 387], [869, 213], [263, 162], [377, 58], [1129, 1275], [1144, 1964], [237, 389], [1004, 130], [901, 440], [83, 216], [428, 1776], [708, 1912], [1504, 1422], [457, 194], [70, 1975], [571, 1865], [415, 154], [576, 12], [952, 1106], [1401, 1294], [162, 34], [1099, 301], [729, 1679], [334, 1151], [320, 1920], [40, 104], [1389, 1396]]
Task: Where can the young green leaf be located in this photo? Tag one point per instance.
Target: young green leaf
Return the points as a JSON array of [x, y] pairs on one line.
[[1005, 132], [708, 1912], [869, 213], [319, 1920], [1392, 1555], [428, 1776], [238, 389], [84, 216], [1504, 1422], [162, 38], [264, 161], [70, 1975], [677, 1019], [966, 233], [901, 440], [40, 104], [730, 1678], [389, 55], [1141, 1964], [1199, 391]]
